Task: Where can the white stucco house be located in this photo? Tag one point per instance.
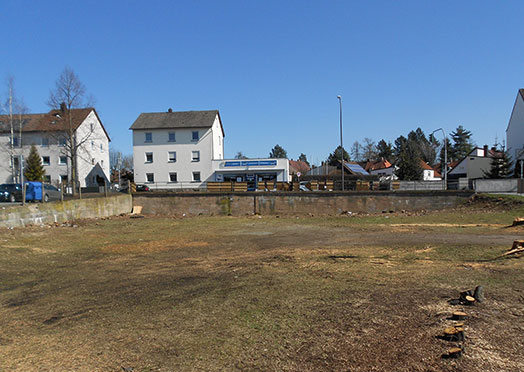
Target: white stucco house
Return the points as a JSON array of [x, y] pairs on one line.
[[185, 150], [428, 173], [474, 165], [48, 132], [515, 129]]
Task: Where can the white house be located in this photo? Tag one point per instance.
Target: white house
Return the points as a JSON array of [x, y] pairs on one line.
[[473, 165], [428, 173], [515, 129], [185, 149], [48, 132], [176, 149]]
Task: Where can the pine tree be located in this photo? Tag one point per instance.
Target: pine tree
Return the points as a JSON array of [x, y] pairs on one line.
[[335, 157], [34, 170], [501, 164], [384, 150], [462, 144], [407, 156], [278, 152]]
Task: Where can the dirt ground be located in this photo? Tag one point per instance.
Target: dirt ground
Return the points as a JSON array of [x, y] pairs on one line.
[[346, 293]]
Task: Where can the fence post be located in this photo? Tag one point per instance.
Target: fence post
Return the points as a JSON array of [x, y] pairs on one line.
[[23, 192], [79, 191], [105, 189]]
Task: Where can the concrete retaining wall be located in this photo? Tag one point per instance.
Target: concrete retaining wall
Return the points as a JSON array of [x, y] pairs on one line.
[[289, 203], [421, 185], [70, 210], [504, 185]]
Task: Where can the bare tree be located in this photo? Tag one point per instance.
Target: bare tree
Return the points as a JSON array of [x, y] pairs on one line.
[[69, 94], [356, 151], [14, 108], [370, 149]]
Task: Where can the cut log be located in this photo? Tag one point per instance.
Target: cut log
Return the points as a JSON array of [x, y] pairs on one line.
[[459, 324], [479, 293], [517, 244], [513, 251], [459, 315]]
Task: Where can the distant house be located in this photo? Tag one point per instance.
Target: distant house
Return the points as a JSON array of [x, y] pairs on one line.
[[429, 173], [474, 164], [515, 129], [380, 167], [296, 166], [48, 132]]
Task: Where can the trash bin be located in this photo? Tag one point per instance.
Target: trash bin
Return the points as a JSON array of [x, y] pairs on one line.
[[33, 191]]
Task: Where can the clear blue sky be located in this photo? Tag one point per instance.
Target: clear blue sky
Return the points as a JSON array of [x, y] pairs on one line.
[[275, 68]]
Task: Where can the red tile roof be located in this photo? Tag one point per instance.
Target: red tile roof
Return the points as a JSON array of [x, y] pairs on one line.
[[298, 166], [376, 165]]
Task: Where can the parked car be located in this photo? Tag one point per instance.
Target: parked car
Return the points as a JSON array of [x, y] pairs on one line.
[[50, 193], [11, 192], [142, 188]]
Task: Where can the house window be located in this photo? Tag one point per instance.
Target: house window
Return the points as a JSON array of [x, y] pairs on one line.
[[172, 177], [45, 142], [149, 137], [150, 177], [172, 156], [62, 141], [194, 135], [15, 162], [196, 176], [46, 160], [92, 145], [195, 156], [16, 142], [47, 178], [149, 157], [172, 137], [62, 160], [102, 163], [92, 127], [63, 178], [101, 147]]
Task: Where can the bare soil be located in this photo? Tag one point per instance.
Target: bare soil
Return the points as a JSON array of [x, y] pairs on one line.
[[365, 293]]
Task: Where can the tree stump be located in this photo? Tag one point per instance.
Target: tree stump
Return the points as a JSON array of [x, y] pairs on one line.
[[469, 300], [459, 315], [479, 293], [454, 352], [454, 334]]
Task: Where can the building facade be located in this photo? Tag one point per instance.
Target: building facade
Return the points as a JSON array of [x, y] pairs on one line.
[[49, 134], [515, 129], [185, 150]]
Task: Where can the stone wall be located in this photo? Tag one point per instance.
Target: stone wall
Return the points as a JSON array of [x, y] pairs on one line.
[[289, 203], [67, 211]]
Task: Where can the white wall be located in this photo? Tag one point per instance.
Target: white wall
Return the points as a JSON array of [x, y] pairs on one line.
[[93, 151], [281, 168], [184, 146], [515, 130]]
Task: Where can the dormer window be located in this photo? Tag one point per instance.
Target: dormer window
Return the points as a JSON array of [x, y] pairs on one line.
[[148, 137], [194, 135]]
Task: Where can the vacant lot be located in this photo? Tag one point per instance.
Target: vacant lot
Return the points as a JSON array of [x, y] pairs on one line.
[[348, 293]]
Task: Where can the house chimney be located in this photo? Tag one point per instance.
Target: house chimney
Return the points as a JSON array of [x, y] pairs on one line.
[[170, 110], [63, 107], [485, 150]]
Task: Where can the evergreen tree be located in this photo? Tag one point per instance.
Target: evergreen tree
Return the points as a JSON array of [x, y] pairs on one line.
[[335, 157], [278, 152], [240, 155], [34, 170], [501, 164], [384, 150], [462, 144], [303, 158], [407, 154]]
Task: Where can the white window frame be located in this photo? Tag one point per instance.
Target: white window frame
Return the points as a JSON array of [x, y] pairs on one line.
[[152, 178], [60, 162], [199, 176], [176, 177], [195, 159], [48, 160], [169, 160], [152, 159]]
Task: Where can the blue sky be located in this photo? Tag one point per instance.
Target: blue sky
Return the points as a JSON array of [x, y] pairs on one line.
[[275, 68]]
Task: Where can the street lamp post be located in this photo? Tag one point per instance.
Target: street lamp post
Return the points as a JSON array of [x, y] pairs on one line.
[[341, 145], [445, 157]]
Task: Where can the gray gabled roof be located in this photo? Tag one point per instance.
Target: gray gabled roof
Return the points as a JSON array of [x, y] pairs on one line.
[[177, 119]]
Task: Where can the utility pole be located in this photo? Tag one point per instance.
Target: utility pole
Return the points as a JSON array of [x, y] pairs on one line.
[[341, 144]]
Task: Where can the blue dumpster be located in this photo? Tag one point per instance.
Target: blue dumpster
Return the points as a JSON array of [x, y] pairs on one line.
[[33, 191]]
